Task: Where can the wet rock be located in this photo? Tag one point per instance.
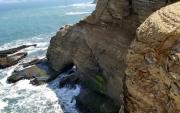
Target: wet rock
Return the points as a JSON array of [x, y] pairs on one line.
[[37, 74], [33, 62], [95, 103], [69, 80], [7, 61], [8, 58], [14, 50], [29, 73]]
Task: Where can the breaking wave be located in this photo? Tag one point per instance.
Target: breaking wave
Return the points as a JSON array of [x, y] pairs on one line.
[[77, 13], [23, 97]]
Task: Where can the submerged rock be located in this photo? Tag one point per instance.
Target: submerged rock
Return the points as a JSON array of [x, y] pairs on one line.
[[7, 61], [38, 73]]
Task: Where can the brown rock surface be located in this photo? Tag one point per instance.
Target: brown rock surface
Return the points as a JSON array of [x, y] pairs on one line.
[[99, 44], [153, 74], [7, 61], [37, 71], [10, 57]]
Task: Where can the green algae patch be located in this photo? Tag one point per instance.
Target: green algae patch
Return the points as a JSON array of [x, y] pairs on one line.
[[96, 83]]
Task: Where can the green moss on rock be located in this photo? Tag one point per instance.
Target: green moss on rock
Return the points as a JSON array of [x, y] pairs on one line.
[[96, 83]]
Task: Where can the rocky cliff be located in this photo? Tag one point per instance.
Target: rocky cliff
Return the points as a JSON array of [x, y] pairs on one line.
[[98, 46], [153, 74]]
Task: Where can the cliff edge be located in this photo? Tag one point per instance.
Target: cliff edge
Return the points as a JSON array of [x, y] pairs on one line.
[[153, 74], [98, 47]]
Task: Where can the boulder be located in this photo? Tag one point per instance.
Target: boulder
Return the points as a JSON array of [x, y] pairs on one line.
[[7, 61], [38, 73]]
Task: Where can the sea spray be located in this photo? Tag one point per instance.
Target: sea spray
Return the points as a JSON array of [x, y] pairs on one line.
[[26, 98], [28, 23]]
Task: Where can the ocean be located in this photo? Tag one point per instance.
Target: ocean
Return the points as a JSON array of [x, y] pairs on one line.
[[35, 22]]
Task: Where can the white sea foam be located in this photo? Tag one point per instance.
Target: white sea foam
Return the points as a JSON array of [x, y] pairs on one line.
[[77, 13], [88, 4], [3, 105], [26, 98], [39, 51], [15, 1], [80, 5]]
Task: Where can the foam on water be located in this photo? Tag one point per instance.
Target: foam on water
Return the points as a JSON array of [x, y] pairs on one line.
[[23, 97], [80, 5], [88, 4], [77, 13], [22, 21], [3, 105]]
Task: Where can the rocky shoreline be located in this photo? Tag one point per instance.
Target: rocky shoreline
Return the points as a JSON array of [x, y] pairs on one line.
[[107, 49], [126, 54]]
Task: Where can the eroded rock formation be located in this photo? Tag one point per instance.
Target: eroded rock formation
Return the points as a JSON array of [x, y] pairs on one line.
[[99, 44], [153, 74]]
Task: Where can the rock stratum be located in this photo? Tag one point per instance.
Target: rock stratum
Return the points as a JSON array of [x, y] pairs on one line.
[[134, 68]]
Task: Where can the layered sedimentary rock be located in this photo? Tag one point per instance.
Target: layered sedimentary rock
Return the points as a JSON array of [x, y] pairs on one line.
[[98, 45], [153, 74]]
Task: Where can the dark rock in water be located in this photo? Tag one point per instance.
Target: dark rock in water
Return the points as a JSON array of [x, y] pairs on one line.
[[28, 73], [69, 80], [95, 102], [11, 60], [33, 62], [7, 60], [40, 80], [14, 50], [37, 74], [95, 1]]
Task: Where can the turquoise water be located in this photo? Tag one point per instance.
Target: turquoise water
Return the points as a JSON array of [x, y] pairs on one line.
[[22, 20], [35, 22]]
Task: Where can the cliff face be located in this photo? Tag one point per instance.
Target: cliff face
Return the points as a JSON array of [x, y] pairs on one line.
[[99, 44], [153, 74]]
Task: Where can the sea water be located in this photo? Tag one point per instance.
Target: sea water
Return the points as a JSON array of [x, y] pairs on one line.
[[35, 22]]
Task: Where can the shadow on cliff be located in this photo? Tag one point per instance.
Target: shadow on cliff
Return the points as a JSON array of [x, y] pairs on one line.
[[66, 87]]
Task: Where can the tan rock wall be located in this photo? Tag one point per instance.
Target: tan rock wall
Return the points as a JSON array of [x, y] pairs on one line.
[[98, 45], [153, 76]]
